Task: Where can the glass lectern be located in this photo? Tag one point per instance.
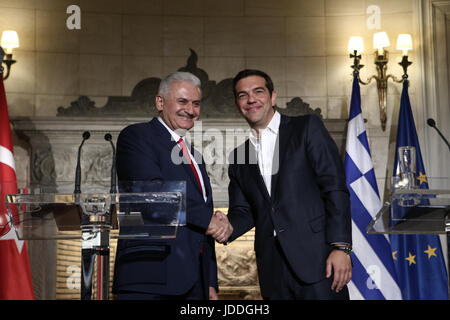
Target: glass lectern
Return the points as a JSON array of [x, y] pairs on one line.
[[141, 210], [415, 211]]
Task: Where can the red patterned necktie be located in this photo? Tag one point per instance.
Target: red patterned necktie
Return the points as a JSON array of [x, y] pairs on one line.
[[188, 158]]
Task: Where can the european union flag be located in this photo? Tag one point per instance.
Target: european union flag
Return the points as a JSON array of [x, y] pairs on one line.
[[418, 259]]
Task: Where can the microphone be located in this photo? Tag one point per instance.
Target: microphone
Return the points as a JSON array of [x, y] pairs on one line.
[[113, 189], [86, 136], [432, 124]]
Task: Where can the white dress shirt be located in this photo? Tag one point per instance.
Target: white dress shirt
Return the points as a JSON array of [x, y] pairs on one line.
[[265, 148], [177, 137]]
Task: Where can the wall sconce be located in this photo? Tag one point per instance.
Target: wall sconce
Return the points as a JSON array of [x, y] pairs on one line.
[[9, 41], [380, 42]]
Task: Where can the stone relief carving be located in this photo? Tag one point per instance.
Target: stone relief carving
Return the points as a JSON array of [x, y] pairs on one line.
[[214, 159], [52, 165], [79, 107], [43, 165], [98, 169], [238, 265], [297, 107], [218, 174], [237, 273]]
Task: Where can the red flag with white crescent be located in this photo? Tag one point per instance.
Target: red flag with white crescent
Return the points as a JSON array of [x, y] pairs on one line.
[[15, 275]]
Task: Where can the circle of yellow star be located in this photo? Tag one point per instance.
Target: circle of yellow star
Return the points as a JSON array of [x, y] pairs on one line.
[[411, 259], [394, 255], [431, 252], [422, 178]]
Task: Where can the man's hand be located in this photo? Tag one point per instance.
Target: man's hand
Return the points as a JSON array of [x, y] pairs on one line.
[[213, 294], [219, 227], [339, 263]]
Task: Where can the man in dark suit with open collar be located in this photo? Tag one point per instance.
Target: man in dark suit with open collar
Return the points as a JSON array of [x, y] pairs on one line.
[[288, 182], [184, 267]]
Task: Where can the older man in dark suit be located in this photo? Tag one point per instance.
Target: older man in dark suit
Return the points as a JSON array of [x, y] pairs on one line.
[[184, 267]]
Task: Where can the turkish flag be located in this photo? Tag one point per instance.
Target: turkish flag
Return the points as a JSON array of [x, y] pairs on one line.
[[15, 275]]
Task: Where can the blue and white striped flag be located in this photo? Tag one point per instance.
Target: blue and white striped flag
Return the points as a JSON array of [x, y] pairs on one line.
[[373, 276]]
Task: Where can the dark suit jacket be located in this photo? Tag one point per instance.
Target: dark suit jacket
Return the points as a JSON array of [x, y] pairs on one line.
[[309, 202], [169, 266]]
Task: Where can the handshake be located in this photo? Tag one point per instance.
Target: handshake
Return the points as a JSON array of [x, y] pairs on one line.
[[219, 227]]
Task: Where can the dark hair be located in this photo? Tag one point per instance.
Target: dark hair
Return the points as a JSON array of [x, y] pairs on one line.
[[250, 72]]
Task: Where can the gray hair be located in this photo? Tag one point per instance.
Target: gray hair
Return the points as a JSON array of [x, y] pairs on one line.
[[164, 86]]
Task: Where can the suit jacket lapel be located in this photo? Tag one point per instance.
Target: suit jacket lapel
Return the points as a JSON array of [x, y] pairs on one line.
[[170, 145], [279, 154], [188, 168], [252, 160], [162, 132], [201, 165], [205, 176]]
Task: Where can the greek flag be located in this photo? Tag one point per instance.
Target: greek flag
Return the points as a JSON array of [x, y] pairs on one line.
[[373, 276]]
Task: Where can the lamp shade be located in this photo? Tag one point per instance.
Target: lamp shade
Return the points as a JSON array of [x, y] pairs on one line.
[[356, 44], [404, 43], [380, 41], [10, 40]]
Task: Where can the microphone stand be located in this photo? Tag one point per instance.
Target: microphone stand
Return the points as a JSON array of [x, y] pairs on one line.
[[77, 190], [432, 124]]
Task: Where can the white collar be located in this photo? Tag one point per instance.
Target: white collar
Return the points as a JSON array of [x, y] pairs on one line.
[[273, 126], [175, 136]]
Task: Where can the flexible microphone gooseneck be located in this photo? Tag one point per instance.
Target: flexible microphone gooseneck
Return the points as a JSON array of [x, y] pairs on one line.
[[113, 189], [86, 136], [432, 124]]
